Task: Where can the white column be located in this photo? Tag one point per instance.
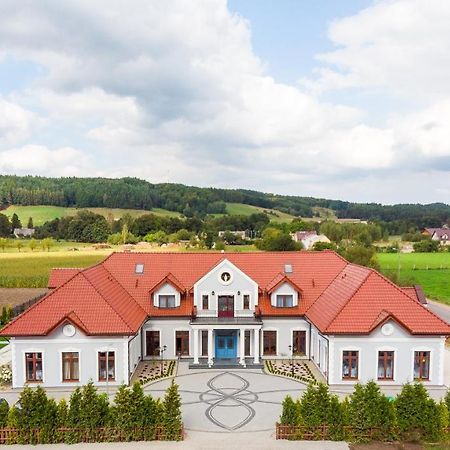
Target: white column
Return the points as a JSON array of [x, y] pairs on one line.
[[242, 346], [196, 331], [256, 346], [210, 347]]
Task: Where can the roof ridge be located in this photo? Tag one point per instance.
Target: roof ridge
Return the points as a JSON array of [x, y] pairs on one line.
[[104, 298], [353, 294]]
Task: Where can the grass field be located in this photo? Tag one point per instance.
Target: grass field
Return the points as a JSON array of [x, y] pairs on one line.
[[246, 210], [42, 214], [431, 270]]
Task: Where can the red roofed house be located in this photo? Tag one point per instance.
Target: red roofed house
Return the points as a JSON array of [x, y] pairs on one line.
[[99, 323]]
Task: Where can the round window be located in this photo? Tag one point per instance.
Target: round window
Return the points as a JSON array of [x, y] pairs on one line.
[[387, 329], [69, 330], [225, 277]]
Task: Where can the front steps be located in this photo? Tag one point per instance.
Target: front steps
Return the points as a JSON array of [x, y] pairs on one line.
[[226, 364]]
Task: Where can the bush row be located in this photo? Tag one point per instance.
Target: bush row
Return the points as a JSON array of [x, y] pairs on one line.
[[134, 415], [367, 414]]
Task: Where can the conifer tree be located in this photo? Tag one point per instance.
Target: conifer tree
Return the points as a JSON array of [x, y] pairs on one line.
[[4, 410], [30, 223], [172, 413], [289, 413], [15, 222]]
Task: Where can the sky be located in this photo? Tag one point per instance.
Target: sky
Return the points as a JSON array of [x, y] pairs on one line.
[[337, 99]]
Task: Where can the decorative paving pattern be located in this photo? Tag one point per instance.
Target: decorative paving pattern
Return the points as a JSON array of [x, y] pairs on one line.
[[148, 371], [298, 369], [229, 390]]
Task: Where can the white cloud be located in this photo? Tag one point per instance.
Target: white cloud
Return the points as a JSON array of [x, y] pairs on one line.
[[16, 123], [172, 91], [39, 160]]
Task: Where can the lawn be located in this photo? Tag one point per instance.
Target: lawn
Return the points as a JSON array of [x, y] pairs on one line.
[[431, 270], [42, 214]]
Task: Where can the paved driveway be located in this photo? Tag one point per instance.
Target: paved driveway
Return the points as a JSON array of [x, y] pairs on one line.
[[224, 401]]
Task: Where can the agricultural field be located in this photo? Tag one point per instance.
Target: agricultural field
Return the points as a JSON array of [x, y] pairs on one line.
[[42, 214], [431, 270], [246, 210]]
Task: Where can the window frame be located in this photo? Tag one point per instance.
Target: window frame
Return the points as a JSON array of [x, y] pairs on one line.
[[385, 366], [183, 339], [107, 358], [155, 353], [246, 301], [271, 344], [293, 340], [421, 365], [283, 303], [205, 300], [166, 298], [34, 361], [357, 357], [72, 360]]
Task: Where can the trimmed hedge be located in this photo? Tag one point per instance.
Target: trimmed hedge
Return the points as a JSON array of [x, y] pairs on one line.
[[367, 414], [89, 416]]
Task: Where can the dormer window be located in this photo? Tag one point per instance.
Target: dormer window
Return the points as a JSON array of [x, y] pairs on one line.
[[167, 301], [285, 301], [139, 268]]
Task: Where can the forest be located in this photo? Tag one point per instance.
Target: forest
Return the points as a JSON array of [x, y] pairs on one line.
[[133, 193]]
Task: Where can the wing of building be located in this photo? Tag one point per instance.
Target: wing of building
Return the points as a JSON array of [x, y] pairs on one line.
[[99, 323]]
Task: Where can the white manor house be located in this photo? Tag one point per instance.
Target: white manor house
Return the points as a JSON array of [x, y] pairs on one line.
[[241, 308]]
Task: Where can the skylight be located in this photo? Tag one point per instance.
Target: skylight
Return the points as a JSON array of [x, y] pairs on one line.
[[139, 268], [288, 268]]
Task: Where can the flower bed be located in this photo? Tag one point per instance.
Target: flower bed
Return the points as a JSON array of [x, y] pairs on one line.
[[299, 370], [155, 370]]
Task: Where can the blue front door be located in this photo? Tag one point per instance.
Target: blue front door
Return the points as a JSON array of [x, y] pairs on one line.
[[226, 345]]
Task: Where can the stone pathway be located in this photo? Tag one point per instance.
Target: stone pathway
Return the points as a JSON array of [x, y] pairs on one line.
[[230, 401]]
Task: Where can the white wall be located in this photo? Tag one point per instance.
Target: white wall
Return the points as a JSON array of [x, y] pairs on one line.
[[52, 347], [284, 328], [401, 342], [134, 351], [319, 350], [239, 282], [167, 329], [284, 289]]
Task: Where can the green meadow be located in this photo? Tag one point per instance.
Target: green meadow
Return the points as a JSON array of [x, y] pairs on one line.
[[431, 270]]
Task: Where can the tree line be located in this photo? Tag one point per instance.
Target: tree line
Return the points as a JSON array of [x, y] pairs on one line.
[[367, 414], [90, 417], [133, 193]]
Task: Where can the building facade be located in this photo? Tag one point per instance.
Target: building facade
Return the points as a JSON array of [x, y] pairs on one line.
[[241, 308]]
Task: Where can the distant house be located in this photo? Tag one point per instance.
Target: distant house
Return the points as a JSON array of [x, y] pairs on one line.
[[23, 232], [309, 238], [442, 235], [429, 231], [241, 234]]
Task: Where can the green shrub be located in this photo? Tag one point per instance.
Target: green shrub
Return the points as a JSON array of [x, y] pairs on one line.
[[370, 413], [172, 413], [290, 413], [4, 411]]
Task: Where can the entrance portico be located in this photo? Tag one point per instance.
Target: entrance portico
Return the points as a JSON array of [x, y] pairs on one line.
[[226, 339]]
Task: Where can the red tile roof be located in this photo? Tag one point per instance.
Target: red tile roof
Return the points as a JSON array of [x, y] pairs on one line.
[[110, 298], [60, 276]]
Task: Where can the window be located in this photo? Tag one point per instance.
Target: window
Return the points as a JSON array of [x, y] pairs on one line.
[[204, 342], [167, 301], [152, 343], [139, 268], [33, 364], [385, 365], [247, 342], [285, 301], [205, 301], [269, 342], [421, 365], [182, 343], [350, 365], [299, 342], [106, 366], [70, 363], [246, 301]]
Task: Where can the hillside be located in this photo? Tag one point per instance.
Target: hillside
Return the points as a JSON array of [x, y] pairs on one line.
[[42, 213], [136, 194]]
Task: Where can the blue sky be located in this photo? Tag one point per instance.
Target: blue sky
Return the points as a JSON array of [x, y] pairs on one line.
[[336, 99]]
